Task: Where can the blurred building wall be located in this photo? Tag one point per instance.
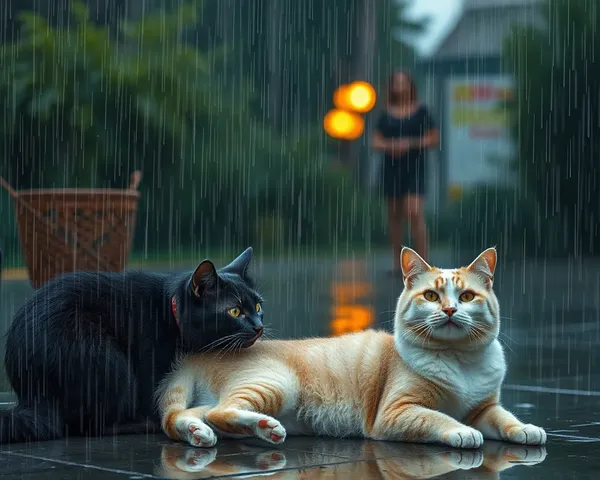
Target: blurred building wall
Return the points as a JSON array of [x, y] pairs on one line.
[[465, 87]]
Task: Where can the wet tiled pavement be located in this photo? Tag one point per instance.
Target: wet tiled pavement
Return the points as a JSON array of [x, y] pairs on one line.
[[551, 329]]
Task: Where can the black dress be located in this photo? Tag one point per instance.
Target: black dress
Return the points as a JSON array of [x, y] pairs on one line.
[[405, 174]]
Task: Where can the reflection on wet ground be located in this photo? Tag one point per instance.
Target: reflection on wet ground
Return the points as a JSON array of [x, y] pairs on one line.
[[301, 458], [351, 310], [379, 460], [551, 332]]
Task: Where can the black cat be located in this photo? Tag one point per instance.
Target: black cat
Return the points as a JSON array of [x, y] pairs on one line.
[[86, 351]]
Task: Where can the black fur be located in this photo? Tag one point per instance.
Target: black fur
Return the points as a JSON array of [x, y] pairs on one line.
[[87, 350]]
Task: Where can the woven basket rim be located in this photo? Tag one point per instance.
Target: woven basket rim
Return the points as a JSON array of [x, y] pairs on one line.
[[79, 191]]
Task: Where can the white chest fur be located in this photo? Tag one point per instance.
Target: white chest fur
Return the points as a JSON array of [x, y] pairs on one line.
[[469, 377]]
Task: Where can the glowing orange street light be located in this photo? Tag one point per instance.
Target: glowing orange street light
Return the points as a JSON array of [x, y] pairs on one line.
[[343, 125], [359, 97]]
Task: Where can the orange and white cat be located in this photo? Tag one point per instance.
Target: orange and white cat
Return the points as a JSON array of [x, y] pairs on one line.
[[436, 380]]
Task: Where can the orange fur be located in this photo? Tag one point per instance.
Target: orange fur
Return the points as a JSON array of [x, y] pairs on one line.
[[169, 425]]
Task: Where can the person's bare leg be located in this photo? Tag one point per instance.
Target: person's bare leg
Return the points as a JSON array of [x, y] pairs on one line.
[[412, 208], [395, 220]]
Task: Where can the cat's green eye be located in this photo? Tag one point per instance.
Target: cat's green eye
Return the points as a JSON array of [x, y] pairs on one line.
[[467, 296], [431, 296], [258, 307], [235, 312]]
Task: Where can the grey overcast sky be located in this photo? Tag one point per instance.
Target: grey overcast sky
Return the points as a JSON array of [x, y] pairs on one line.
[[443, 15]]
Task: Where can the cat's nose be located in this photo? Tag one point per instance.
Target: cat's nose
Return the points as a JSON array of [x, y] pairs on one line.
[[258, 329], [449, 311]]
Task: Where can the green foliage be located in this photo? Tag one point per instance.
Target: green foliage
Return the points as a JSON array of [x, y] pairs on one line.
[[85, 106], [556, 120], [76, 94]]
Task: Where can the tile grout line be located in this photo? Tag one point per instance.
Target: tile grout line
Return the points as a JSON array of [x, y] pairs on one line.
[[574, 437], [559, 391], [81, 465]]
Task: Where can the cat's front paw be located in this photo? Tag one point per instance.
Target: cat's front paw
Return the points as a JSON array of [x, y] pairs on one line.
[[525, 434], [196, 432], [270, 430], [264, 427], [463, 437]]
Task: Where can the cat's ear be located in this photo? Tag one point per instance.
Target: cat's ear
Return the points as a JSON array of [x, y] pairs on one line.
[[412, 265], [241, 263], [204, 277], [485, 265]]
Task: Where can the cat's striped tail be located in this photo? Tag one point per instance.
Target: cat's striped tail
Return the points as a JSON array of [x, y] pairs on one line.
[[22, 424]]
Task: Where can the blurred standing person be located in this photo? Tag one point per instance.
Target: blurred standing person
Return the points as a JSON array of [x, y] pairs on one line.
[[404, 132]]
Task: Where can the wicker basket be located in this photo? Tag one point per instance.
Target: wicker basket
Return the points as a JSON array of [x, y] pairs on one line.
[[63, 230]]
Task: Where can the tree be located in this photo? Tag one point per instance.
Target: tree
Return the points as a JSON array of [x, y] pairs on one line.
[[556, 122], [73, 93], [85, 103]]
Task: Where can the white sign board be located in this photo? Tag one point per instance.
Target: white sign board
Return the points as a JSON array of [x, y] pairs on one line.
[[479, 145]]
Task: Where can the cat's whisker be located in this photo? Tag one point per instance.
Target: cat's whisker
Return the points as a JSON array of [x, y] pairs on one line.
[[260, 286], [223, 340], [413, 338], [214, 344], [387, 322], [421, 329], [508, 338], [428, 334], [228, 340], [218, 342], [475, 334], [270, 328], [479, 333], [233, 347], [506, 345], [229, 347]]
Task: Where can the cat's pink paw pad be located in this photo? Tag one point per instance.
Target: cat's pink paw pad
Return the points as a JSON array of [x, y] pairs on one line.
[[196, 432], [463, 437], [270, 430], [526, 435]]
